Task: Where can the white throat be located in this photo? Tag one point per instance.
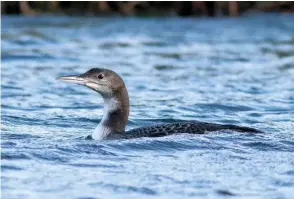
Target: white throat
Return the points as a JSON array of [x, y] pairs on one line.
[[107, 124], [116, 113]]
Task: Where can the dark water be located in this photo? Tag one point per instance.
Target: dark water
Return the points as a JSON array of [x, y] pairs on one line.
[[230, 71]]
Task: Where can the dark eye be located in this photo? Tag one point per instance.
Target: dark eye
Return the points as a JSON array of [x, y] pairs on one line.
[[100, 76]]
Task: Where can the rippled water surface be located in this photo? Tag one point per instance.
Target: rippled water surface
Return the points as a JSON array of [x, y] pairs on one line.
[[230, 71]]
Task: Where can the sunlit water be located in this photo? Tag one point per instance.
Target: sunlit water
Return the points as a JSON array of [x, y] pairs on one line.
[[230, 71]]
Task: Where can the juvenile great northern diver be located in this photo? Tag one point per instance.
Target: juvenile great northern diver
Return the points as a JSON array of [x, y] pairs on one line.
[[116, 110]]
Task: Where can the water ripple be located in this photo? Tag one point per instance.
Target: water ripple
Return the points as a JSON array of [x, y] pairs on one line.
[[223, 70]]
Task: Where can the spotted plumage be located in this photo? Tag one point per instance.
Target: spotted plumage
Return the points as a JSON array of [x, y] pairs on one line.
[[192, 127], [116, 110]]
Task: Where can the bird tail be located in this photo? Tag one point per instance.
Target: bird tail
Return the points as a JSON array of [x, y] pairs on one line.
[[241, 129]]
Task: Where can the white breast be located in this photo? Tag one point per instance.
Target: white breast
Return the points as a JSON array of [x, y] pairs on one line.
[[101, 132]]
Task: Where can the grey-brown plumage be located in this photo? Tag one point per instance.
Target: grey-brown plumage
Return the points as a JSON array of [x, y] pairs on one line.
[[191, 127], [116, 110]]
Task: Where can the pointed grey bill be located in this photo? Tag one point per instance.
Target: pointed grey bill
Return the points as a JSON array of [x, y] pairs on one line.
[[72, 79]]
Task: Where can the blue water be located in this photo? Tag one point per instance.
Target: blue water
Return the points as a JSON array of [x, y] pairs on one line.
[[230, 71]]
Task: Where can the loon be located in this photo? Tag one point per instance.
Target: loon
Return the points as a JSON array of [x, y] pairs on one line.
[[116, 110]]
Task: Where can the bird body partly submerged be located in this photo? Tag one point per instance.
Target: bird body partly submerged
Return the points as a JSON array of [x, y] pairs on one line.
[[116, 111], [191, 127]]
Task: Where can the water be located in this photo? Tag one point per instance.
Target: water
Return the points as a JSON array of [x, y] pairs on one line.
[[231, 71]]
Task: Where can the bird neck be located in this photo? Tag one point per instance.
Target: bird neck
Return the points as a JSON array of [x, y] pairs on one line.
[[115, 116]]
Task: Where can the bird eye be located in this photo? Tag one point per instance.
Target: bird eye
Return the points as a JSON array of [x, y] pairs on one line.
[[100, 76]]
